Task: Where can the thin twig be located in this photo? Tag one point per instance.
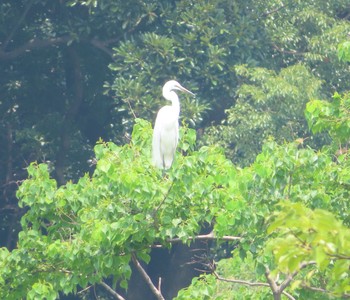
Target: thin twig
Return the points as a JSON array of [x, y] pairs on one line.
[[145, 276], [165, 196], [130, 107]]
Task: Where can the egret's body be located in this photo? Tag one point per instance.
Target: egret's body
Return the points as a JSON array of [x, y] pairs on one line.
[[166, 128]]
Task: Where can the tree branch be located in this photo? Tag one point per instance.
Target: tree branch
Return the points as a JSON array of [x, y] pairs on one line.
[[209, 236], [111, 291], [339, 256], [273, 11], [316, 289], [75, 88], [145, 276], [102, 46], [272, 283], [277, 290], [33, 44], [249, 283], [290, 277], [165, 197], [204, 237], [239, 281], [37, 43], [289, 296]]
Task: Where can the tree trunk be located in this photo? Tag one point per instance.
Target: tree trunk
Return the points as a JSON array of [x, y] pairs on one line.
[[74, 83]]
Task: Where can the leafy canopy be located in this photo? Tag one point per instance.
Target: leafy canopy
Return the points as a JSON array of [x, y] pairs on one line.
[[285, 208], [82, 232]]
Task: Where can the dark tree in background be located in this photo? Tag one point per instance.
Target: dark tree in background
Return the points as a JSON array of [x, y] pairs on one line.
[[72, 72], [53, 110]]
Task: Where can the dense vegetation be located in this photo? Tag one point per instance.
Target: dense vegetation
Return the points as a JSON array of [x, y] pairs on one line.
[[261, 178]]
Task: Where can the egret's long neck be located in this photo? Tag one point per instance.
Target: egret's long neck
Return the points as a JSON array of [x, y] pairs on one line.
[[173, 97]]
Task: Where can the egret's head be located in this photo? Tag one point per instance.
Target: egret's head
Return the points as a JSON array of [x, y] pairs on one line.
[[173, 85]]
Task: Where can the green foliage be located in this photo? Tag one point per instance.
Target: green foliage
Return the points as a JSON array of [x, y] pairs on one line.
[[289, 207], [344, 51], [312, 236], [197, 43], [332, 117], [260, 61], [231, 269], [282, 172], [42, 290], [268, 104], [310, 31], [79, 233], [201, 288], [269, 97]]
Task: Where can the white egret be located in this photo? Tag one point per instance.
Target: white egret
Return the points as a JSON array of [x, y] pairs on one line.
[[166, 128]]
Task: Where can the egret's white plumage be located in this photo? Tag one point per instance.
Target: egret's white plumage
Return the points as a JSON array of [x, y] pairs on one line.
[[166, 128]]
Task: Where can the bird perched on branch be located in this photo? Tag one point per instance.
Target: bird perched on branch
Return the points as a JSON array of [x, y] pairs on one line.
[[166, 128]]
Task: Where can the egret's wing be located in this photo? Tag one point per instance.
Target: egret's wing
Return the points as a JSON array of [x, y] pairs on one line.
[[156, 142], [168, 143], [165, 137]]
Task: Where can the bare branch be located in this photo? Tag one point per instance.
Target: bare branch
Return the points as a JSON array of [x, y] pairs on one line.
[[111, 291], [145, 276]]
